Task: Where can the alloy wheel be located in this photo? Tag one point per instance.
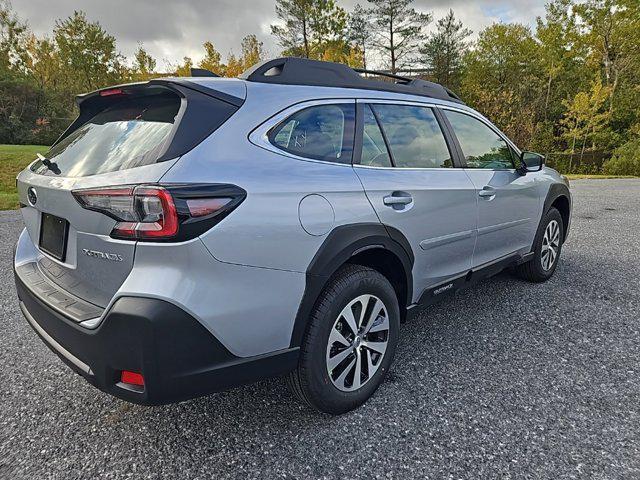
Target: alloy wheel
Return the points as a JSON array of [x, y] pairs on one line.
[[550, 245], [357, 342]]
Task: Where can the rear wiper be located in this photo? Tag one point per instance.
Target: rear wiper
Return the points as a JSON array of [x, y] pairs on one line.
[[49, 164]]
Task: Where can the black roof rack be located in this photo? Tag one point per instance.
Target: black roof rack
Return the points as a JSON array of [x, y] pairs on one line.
[[302, 71]]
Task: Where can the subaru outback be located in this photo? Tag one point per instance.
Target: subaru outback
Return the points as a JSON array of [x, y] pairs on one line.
[[187, 235]]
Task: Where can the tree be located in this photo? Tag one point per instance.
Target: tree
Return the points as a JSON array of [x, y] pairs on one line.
[[586, 118], [294, 35], [252, 51], [502, 79], [444, 50], [399, 30], [212, 60], [87, 53], [562, 55], [144, 65], [183, 69], [13, 37], [612, 36], [308, 26], [360, 32]]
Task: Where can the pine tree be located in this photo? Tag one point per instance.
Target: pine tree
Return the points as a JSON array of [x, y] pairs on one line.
[[399, 30], [444, 50], [360, 31]]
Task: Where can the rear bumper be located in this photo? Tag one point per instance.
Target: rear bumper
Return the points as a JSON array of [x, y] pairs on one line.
[[177, 356]]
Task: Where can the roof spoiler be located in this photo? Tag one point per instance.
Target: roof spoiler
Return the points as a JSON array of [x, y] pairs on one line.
[[202, 72]]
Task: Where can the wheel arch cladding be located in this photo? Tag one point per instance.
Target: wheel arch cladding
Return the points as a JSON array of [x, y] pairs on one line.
[[559, 197], [344, 244]]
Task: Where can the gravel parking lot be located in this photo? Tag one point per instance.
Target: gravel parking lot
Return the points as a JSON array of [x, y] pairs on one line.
[[507, 380]]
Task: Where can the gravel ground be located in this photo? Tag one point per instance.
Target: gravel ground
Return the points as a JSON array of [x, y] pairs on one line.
[[506, 380]]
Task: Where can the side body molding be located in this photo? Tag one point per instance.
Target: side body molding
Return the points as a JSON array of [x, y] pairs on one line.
[[340, 245]]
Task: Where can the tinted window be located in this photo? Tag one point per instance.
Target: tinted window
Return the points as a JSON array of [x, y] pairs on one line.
[[481, 146], [131, 133], [414, 136], [323, 132], [374, 150]]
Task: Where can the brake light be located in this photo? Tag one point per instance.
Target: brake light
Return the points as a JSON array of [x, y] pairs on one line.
[[112, 91], [152, 212]]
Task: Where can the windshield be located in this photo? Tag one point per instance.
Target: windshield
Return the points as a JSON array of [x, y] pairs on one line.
[[128, 134]]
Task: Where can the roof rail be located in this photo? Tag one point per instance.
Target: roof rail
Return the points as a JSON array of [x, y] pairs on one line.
[[302, 71]]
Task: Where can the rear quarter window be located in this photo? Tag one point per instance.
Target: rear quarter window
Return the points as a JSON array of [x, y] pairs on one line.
[[321, 132]]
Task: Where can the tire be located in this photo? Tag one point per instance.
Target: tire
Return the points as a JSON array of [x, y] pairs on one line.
[[541, 267], [328, 333]]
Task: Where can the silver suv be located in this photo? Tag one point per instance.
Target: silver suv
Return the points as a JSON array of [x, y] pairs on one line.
[[186, 235]]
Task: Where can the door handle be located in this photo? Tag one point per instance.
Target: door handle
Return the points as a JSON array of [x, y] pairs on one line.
[[397, 199], [487, 192]]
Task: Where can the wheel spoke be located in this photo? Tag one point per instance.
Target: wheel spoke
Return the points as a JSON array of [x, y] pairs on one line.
[[357, 375], [337, 337], [337, 359], [347, 314], [370, 367], [379, 347], [340, 380], [375, 313], [383, 326]]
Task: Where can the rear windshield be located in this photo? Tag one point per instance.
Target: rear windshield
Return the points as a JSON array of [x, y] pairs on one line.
[[129, 134]]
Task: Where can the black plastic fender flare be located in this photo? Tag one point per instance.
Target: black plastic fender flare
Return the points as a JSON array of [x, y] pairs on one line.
[[341, 244], [556, 191]]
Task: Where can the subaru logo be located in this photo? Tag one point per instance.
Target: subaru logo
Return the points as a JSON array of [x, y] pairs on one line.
[[32, 196]]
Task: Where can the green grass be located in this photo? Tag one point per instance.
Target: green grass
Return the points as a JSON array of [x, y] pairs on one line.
[[574, 176], [14, 158]]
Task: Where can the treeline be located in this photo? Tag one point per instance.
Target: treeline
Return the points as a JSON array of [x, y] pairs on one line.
[[569, 87]]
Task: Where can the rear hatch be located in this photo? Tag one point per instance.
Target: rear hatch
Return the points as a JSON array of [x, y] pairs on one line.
[[128, 135]]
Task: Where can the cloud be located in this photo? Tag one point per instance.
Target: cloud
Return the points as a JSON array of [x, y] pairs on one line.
[[173, 29]]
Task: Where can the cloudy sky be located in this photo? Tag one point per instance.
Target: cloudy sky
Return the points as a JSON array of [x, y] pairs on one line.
[[172, 29]]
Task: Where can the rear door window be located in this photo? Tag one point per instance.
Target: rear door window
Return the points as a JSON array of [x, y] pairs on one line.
[[321, 132], [414, 136], [130, 133]]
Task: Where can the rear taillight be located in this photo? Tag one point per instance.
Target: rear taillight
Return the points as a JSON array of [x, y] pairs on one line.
[[162, 213]]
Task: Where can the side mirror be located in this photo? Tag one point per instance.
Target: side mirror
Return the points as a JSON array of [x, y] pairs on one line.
[[531, 162]]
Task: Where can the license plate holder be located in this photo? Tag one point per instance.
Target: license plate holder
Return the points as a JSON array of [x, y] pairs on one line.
[[53, 235]]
